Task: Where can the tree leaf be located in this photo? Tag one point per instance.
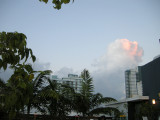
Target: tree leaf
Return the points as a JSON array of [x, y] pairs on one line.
[[46, 1], [31, 76], [33, 58], [66, 1], [22, 85]]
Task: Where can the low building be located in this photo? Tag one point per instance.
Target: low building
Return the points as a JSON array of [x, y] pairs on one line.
[[125, 106]]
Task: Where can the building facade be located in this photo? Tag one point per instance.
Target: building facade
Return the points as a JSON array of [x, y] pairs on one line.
[[133, 83], [150, 74], [72, 80]]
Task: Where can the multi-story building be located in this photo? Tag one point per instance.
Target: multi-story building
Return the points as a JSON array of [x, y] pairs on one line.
[[72, 80], [133, 83]]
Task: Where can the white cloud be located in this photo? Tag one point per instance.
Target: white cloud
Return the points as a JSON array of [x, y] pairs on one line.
[[109, 76], [63, 72], [39, 66]]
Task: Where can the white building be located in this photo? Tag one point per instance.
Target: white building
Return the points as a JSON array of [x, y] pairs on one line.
[[133, 83], [72, 80]]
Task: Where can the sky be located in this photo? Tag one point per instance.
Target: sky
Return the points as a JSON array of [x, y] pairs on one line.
[[104, 36]]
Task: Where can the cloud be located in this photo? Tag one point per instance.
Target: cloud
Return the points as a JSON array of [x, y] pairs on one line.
[[37, 66], [63, 72], [40, 66], [109, 76]]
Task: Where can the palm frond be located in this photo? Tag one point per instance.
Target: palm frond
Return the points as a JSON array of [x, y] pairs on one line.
[[104, 110], [107, 100], [40, 78]]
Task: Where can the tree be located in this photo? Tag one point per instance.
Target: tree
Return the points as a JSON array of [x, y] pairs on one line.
[[57, 3], [56, 100], [3, 92], [13, 49], [83, 99], [35, 87], [22, 90], [16, 94], [86, 102], [146, 110]]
